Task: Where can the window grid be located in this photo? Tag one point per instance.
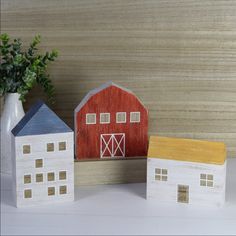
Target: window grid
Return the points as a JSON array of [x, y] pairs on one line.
[[104, 118], [161, 174], [134, 117], [206, 180], [90, 118], [121, 117]]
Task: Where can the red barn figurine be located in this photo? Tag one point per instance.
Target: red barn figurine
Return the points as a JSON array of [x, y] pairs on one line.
[[111, 122]]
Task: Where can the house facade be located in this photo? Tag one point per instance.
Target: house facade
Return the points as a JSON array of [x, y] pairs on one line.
[[43, 159], [186, 171], [110, 122]]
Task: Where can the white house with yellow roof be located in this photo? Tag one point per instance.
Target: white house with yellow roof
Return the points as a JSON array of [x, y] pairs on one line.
[[186, 171]]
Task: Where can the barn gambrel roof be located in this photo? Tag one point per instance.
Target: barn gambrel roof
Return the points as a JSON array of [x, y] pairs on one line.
[[99, 89], [40, 119]]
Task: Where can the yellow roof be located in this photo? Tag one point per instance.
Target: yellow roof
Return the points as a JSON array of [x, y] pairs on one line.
[[187, 150]]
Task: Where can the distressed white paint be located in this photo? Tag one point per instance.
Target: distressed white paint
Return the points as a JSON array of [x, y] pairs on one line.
[[52, 162], [186, 173]]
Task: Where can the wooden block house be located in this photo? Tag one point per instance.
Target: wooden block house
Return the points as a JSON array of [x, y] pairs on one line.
[[186, 171], [110, 122], [43, 158]]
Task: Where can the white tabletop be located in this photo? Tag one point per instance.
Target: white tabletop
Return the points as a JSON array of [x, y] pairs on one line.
[[118, 209]]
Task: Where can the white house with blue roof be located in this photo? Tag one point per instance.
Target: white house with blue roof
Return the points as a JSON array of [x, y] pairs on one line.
[[43, 158]]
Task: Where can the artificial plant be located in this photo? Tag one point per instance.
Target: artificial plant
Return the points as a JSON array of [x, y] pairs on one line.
[[21, 69]]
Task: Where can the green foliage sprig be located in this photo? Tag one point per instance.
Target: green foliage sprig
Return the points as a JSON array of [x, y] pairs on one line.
[[21, 70]]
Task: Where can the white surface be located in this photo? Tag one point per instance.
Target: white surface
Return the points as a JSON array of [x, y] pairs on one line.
[[119, 209], [55, 161], [188, 174]]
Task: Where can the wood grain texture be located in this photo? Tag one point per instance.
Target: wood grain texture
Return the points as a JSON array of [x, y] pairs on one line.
[[178, 57], [110, 172]]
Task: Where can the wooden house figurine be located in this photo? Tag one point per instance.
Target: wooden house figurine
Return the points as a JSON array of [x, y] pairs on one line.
[[43, 158], [110, 122], [186, 171]]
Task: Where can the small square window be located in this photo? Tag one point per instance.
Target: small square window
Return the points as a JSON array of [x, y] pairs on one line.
[[62, 146], [28, 193], [26, 149], [157, 177], [203, 176], [206, 180], [50, 147], [63, 189], [51, 176], [164, 171], [62, 175], [90, 118], [121, 117], [105, 118], [27, 179], [161, 174], [210, 177], [38, 163], [39, 178], [209, 183], [203, 182], [134, 117], [164, 178], [51, 191]]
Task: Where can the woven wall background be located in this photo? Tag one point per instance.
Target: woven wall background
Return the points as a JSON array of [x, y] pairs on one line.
[[179, 57]]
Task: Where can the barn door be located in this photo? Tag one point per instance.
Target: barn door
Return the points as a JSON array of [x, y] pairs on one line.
[[112, 145]]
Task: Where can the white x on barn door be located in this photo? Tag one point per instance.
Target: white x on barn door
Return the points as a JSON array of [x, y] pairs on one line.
[[112, 145]]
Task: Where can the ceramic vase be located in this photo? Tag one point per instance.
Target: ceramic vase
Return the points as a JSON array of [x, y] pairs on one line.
[[11, 115]]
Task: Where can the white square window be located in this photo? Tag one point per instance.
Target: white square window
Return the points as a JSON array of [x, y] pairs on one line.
[[104, 118], [161, 174], [121, 117], [206, 180], [134, 117], [90, 118]]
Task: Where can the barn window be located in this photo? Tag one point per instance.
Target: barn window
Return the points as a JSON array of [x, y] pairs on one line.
[[206, 180], [161, 174], [90, 118], [27, 179], [134, 117], [121, 117], [26, 149], [105, 118]]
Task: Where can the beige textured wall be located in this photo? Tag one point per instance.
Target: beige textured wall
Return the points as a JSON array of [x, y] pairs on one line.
[[178, 56]]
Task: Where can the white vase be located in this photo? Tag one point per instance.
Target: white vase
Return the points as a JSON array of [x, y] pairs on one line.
[[11, 115]]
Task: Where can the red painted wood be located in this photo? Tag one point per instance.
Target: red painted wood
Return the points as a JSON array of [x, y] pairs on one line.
[[111, 100]]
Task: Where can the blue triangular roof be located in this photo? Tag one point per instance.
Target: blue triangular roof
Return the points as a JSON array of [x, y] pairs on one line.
[[40, 119]]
